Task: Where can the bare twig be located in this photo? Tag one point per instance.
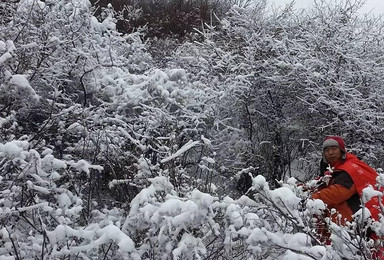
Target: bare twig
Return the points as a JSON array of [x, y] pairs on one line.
[[13, 245]]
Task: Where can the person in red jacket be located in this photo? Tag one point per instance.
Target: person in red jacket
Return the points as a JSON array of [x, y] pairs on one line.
[[344, 181], [339, 190]]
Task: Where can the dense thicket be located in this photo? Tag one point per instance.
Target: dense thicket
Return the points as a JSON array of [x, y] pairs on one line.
[[287, 80], [110, 150], [166, 18]]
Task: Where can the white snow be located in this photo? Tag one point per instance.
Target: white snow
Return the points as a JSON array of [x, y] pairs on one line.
[[13, 149], [208, 159], [3, 46], [316, 206], [177, 74], [182, 150], [145, 126], [84, 166], [95, 236], [285, 196], [368, 193], [63, 200], [22, 84], [4, 57], [49, 162], [206, 141], [260, 183], [7, 47], [362, 215]]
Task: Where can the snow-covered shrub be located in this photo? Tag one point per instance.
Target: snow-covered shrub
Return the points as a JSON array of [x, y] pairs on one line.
[[103, 155], [89, 98], [167, 226], [283, 81], [74, 96], [273, 225], [43, 211], [36, 196]]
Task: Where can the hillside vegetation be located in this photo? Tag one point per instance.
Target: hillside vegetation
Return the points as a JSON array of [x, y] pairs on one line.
[[124, 134]]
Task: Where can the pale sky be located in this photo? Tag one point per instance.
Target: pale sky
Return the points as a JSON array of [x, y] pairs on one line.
[[375, 6]]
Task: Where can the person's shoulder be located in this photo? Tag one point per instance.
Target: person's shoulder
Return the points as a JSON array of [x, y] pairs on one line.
[[343, 178], [340, 173], [350, 157]]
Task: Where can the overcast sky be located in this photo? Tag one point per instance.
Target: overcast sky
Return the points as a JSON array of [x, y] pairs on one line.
[[375, 6]]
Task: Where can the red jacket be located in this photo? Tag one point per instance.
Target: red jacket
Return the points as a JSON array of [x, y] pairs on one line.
[[337, 195]]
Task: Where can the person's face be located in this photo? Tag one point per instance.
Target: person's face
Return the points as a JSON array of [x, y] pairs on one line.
[[333, 154]]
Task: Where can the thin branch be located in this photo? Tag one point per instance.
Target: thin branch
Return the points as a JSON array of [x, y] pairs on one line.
[[13, 245], [83, 86]]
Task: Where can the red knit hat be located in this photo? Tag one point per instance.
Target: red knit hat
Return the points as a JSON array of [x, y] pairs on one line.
[[331, 141]]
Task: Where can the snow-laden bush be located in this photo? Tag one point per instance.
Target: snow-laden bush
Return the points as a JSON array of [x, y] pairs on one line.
[[92, 95], [43, 196], [75, 94], [103, 155], [275, 224], [286, 80], [42, 206]]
